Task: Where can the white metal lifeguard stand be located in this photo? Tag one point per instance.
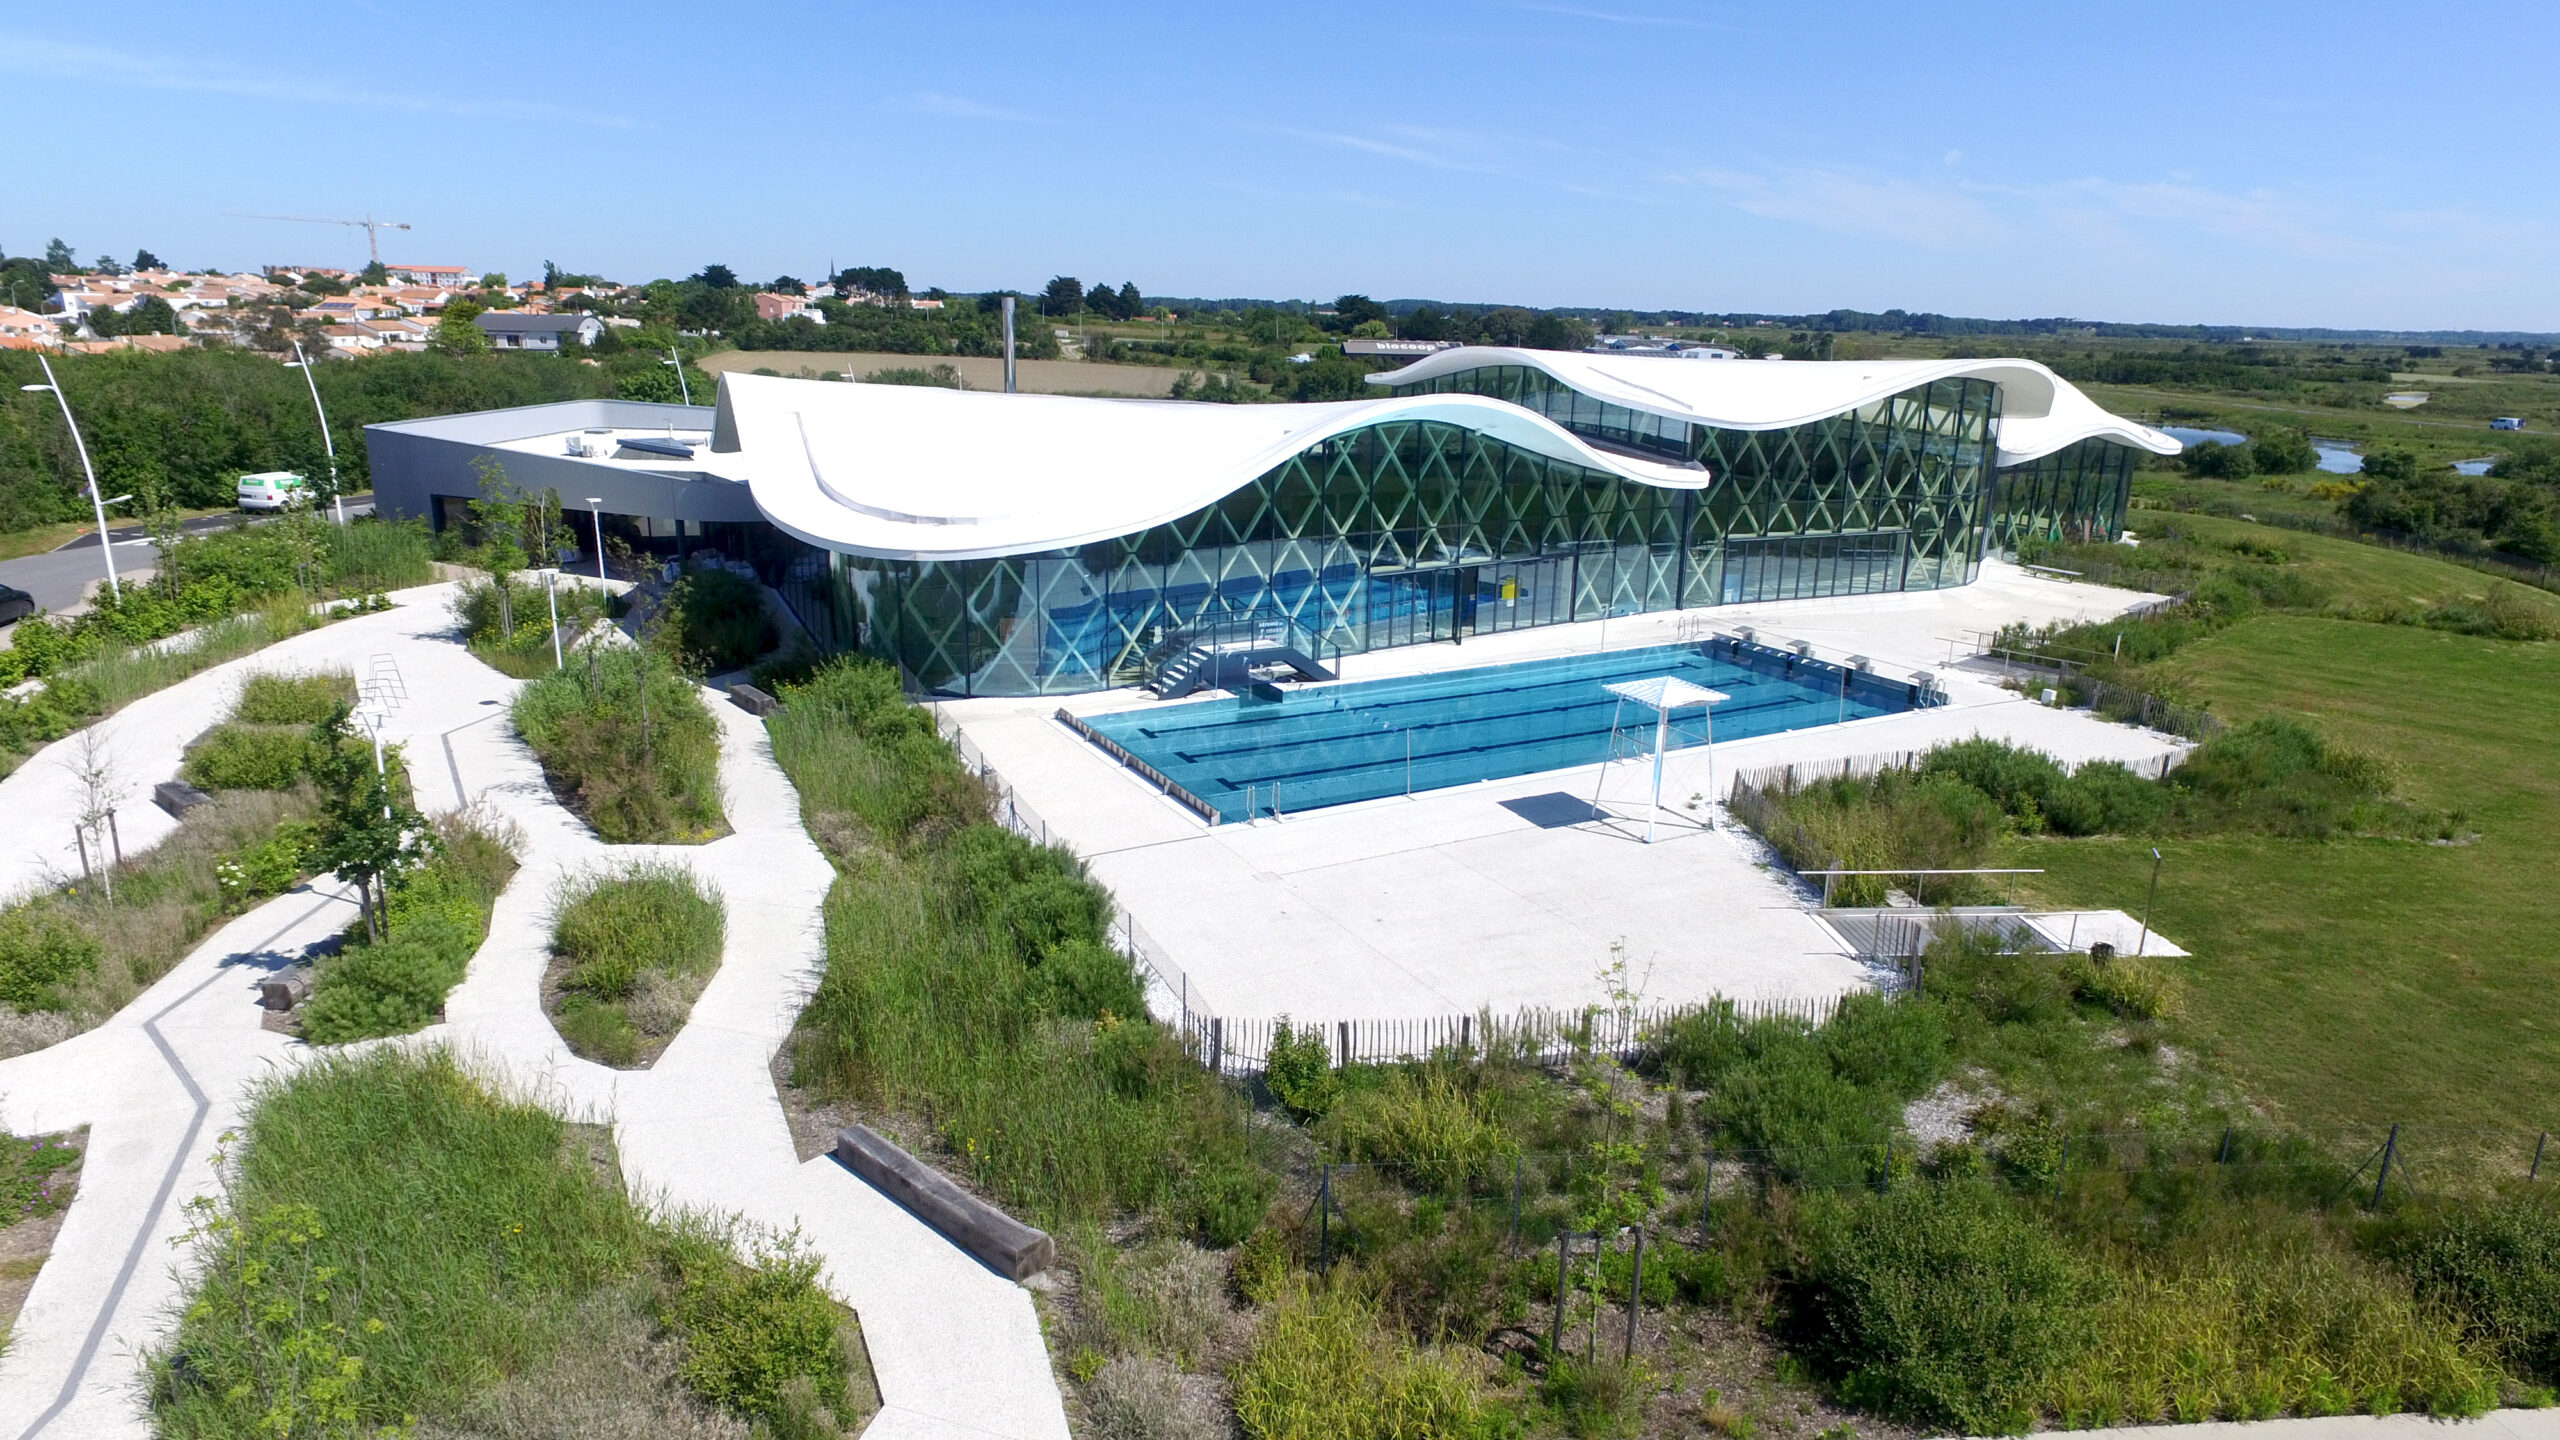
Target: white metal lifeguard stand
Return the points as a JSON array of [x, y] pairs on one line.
[[1662, 694]]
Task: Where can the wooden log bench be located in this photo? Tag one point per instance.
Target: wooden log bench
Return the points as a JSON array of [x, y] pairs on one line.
[[1000, 1242]]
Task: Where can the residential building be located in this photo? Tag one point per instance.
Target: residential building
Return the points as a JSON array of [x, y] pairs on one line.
[[27, 330], [772, 306], [451, 277], [1394, 349], [519, 330]]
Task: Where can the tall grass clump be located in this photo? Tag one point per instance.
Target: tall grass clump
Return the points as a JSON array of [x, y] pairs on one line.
[[1322, 1367], [394, 1241], [269, 698], [506, 620], [628, 744], [435, 916], [371, 555], [969, 983], [631, 950]]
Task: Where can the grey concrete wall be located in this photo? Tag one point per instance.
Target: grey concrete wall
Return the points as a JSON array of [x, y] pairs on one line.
[[414, 461]]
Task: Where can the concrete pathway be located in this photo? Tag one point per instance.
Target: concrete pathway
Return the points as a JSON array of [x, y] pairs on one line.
[[957, 1349]]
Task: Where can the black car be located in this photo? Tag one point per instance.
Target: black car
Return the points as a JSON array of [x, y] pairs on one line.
[[15, 604]]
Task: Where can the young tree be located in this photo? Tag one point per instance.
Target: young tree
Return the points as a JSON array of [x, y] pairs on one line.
[[456, 334], [376, 273], [1132, 304], [368, 834]]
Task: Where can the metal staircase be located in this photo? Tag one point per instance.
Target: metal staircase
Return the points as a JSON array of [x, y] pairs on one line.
[[1224, 649]]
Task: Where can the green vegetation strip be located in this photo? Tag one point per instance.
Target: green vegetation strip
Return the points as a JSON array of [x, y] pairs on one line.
[[631, 951], [628, 745], [398, 1245]]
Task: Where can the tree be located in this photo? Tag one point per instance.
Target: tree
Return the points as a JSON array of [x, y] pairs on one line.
[[786, 285], [58, 257], [875, 282], [2283, 452], [2389, 464], [1508, 325], [150, 315], [145, 260], [1556, 332], [367, 833], [24, 283], [456, 334], [1064, 295], [716, 277], [2213, 461], [105, 265], [1350, 312], [1424, 324], [375, 273], [1132, 304]]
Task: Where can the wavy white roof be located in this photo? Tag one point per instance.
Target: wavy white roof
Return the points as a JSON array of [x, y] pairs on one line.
[[2040, 412], [912, 472]]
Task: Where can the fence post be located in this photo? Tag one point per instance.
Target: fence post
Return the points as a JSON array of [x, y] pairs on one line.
[[1635, 1295], [2390, 1148], [1342, 1046], [1707, 1200], [1217, 1045], [1324, 1221], [1512, 1245], [1555, 1346]]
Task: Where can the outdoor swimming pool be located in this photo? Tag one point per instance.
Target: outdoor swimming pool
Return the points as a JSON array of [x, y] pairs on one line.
[[1235, 757]]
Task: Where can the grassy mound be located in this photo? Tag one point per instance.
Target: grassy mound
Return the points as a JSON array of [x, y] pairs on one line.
[[631, 950], [628, 744], [399, 1245]]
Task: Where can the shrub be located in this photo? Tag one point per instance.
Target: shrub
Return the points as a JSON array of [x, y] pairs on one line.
[[1139, 1397], [436, 916], [269, 867], [1321, 1368], [718, 620], [270, 699], [39, 951], [1820, 1101], [2279, 777], [1299, 1071], [750, 1330], [1941, 1303], [853, 744], [2496, 1263], [248, 757], [2129, 985], [629, 745]]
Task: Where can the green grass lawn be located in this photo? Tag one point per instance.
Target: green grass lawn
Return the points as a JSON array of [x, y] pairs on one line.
[[2362, 983]]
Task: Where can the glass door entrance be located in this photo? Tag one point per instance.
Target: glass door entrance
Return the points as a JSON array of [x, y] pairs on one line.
[[1451, 602]]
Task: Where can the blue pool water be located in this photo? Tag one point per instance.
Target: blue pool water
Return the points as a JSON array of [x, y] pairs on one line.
[[1340, 743]]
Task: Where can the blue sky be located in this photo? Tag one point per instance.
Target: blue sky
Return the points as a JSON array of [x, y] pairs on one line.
[[2343, 164]]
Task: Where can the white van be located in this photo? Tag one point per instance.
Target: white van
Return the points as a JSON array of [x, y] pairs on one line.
[[270, 490]]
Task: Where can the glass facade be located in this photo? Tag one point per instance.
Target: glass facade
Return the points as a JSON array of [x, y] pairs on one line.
[[2078, 492], [1409, 532]]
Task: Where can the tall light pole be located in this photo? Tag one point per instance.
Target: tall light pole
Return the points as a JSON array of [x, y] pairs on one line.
[[681, 387], [97, 501], [595, 507], [551, 583], [302, 363]]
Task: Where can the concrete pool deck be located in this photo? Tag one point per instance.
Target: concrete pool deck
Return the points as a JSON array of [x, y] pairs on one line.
[[1506, 894]]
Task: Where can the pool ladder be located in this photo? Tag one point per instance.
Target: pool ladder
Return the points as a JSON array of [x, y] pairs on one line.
[[1253, 812]]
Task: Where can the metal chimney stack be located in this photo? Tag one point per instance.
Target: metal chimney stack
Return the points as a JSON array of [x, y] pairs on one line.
[[1008, 344]]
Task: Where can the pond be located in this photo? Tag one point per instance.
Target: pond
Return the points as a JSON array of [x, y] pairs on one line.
[[2338, 457], [2474, 467], [2188, 435]]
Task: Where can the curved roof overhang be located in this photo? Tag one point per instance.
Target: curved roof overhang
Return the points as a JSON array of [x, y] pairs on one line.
[[2040, 412], [921, 473]]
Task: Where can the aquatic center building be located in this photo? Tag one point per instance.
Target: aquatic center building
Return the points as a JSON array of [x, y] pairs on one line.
[[1002, 544]]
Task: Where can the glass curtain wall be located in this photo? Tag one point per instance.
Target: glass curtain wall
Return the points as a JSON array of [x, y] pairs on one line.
[[1413, 532], [2078, 492]]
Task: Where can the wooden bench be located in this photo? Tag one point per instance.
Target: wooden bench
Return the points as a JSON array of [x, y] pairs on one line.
[[1000, 1242]]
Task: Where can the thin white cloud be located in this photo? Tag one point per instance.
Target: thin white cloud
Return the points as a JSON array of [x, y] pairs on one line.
[[1926, 212], [1432, 148], [1618, 17], [961, 107], [99, 65]]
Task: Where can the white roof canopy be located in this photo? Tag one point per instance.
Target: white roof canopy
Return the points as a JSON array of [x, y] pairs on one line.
[[1665, 692], [2040, 412], [921, 473]]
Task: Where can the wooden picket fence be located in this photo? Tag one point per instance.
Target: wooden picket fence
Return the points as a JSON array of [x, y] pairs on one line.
[[1238, 1046]]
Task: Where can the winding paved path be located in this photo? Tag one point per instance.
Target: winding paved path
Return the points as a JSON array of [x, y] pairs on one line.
[[957, 1348]]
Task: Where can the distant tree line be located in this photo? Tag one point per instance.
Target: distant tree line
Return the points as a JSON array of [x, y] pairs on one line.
[[2514, 508]]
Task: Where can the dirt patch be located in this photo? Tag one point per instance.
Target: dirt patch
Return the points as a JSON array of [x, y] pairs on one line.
[[27, 1241]]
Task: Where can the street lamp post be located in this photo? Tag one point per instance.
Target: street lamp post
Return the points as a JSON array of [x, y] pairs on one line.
[[678, 362], [551, 583], [302, 363], [97, 501], [595, 507], [2145, 942]]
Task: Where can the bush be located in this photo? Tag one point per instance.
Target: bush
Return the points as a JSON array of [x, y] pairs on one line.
[[1944, 1304], [1819, 1102], [270, 699], [248, 757], [1423, 1122], [752, 1330], [2495, 1262], [1321, 1368], [1299, 1071], [2279, 777], [39, 952], [718, 621], [270, 867], [629, 745]]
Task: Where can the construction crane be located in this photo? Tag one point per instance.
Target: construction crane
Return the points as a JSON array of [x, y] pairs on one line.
[[372, 228]]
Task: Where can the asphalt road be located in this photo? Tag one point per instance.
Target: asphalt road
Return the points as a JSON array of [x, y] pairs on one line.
[[62, 578]]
